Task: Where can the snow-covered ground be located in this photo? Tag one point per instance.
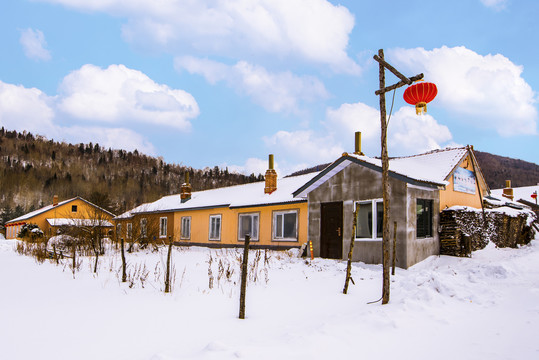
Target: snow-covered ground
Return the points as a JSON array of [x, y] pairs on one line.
[[485, 307]]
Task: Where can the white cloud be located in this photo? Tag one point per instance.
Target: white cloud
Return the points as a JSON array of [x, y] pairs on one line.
[[276, 92], [33, 43], [489, 89], [92, 95], [408, 133], [310, 30], [252, 166], [303, 146], [495, 4], [120, 94], [25, 109]]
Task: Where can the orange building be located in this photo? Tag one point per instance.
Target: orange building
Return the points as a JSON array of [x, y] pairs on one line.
[[266, 210], [72, 212]]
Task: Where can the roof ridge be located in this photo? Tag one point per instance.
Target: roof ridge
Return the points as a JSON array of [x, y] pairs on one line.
[[430, 152]]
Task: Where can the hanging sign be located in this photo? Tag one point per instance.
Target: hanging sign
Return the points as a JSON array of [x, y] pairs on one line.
[[464, 181]]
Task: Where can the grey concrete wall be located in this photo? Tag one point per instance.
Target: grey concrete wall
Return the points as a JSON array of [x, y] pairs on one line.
[[419, 249], [357, 183]]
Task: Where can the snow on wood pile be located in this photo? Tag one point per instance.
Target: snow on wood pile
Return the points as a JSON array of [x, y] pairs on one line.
[[464, 229]]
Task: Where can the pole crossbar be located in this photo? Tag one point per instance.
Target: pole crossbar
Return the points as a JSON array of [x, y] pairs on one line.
[[398, 85], [393, 70]]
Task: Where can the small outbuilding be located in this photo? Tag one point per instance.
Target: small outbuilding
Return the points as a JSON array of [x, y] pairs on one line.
[[420, 186]]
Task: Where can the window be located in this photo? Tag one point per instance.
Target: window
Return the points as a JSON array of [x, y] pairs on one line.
[[73, 208], [143, 229], [129, 229], [423, 218], [186, 227], [285, 225], [162, 227], [215, 227], [370, 218], [118, 230], [248, 225]]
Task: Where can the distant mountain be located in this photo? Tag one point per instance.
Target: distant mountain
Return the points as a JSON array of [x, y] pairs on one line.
[[33, 169], [495, 168]]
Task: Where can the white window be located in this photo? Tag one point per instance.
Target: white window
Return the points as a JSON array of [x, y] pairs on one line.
[[370, 217], [162, 227], [143, 229], [129, 230], [215, 227], [285, 225], [186, 227], [248, 225], [119, 230]]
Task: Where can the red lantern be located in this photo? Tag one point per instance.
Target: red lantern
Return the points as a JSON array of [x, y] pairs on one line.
[[419, 95]]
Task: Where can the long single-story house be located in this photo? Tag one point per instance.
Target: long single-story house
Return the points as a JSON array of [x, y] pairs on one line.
[[75, 212], [266, 210], [420, 186]]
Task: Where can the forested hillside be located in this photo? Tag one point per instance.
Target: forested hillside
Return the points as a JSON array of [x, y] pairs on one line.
[[497, 169], [33, 169]]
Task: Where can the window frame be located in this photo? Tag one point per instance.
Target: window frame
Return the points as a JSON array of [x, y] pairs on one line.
[[129, 230], [143, 228], [374, 219], [119, 230], [252, 215], [429, 216], [163, 230], [215, 216], [182, 228], [274, 229]]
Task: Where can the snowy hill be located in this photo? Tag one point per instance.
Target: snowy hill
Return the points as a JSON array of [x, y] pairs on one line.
[[485, 307]]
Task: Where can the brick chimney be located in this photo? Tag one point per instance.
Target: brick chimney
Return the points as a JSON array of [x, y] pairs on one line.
[[357, 150], [185, 191], [508, 191], [55, 200], [271, 177]]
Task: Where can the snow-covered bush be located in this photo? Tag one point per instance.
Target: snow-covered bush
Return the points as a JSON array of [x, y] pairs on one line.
[[30, 232]]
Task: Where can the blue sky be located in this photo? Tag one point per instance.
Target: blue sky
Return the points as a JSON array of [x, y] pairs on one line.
[[214, 82]]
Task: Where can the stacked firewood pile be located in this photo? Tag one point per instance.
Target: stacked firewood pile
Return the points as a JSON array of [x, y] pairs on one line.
[[465, 230]]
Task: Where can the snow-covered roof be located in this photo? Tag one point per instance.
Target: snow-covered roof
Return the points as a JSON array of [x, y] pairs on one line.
[[50, 207], [246, 195], [520, 193], [78, 222], [39, 211], [429, 169]]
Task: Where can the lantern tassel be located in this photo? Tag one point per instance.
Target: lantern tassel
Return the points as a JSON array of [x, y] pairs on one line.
[[421, 108]]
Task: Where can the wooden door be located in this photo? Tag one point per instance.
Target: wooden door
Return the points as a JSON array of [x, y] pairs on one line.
[[331, 230]]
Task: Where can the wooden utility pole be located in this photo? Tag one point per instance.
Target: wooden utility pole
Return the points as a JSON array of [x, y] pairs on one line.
[[385, 160]]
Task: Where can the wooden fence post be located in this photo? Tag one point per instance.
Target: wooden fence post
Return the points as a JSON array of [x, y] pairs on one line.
[[394, 248], [244, 268], [350, 253]]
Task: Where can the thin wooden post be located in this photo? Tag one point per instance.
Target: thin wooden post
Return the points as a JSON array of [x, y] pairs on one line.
[[244, 268], [124, 273], [394, 248], [167, 275], [350, 253]]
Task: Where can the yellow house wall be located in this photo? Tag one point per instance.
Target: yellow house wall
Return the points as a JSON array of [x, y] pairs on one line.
[[200, 224], [449, 197], [152, 226], [84, 211]]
